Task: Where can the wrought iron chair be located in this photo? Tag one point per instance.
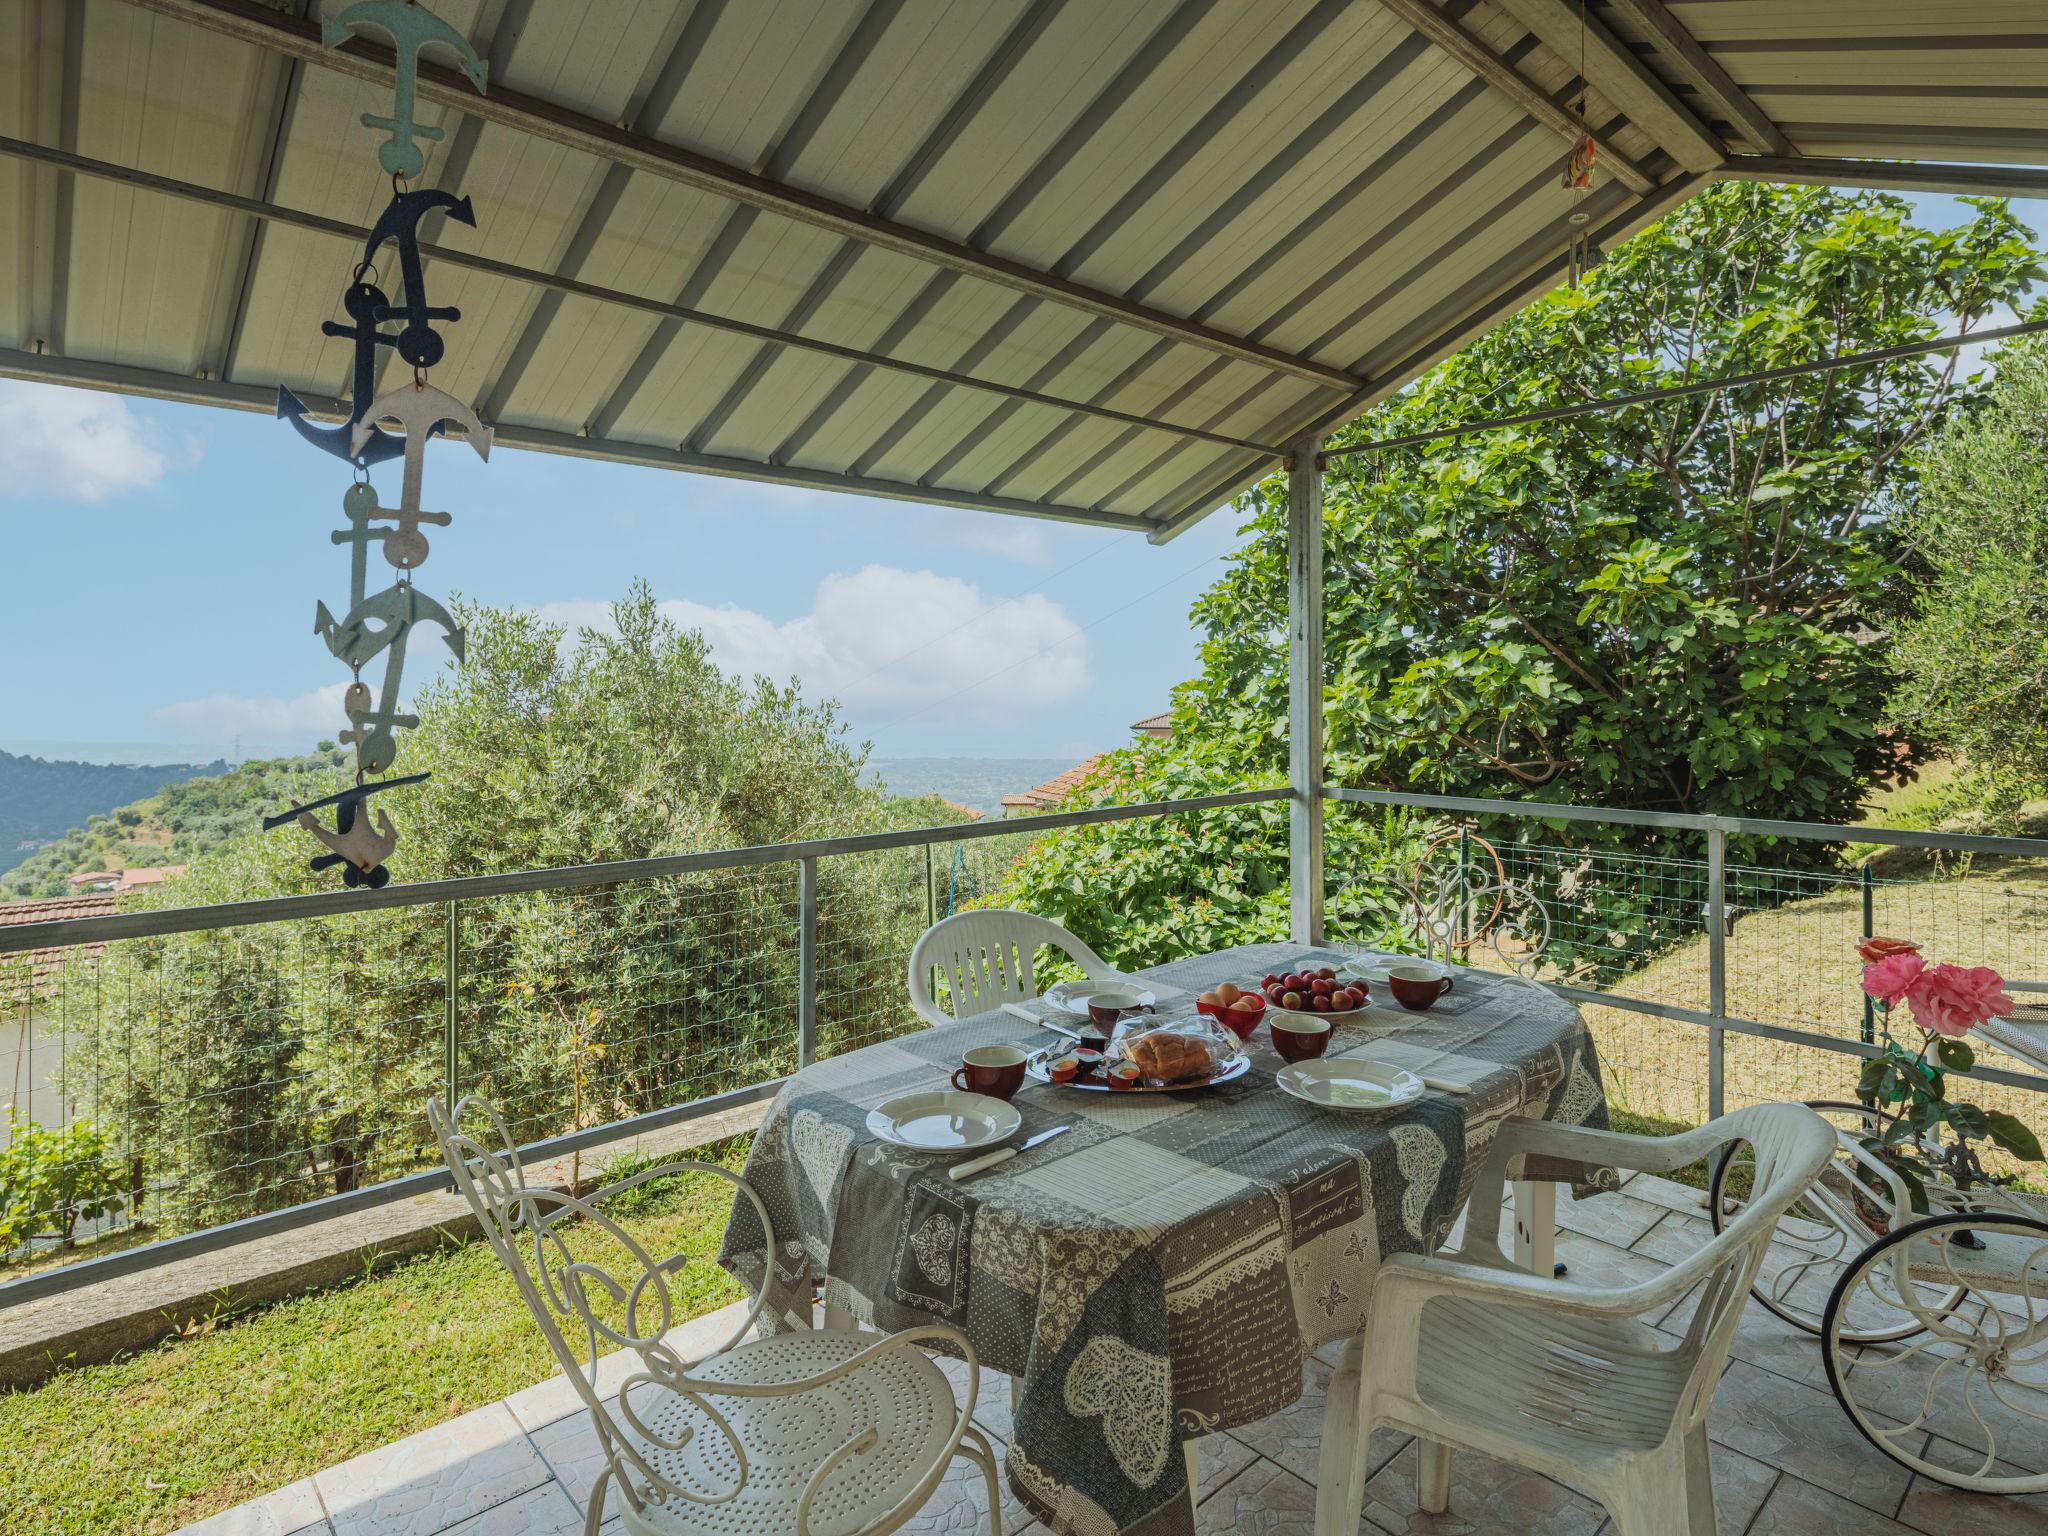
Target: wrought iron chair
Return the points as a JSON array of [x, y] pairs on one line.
[[821, 1433], [985, 958], [1464, 1350]]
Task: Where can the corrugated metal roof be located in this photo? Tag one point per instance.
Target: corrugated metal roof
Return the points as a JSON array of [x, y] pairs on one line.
[[1235, 220]]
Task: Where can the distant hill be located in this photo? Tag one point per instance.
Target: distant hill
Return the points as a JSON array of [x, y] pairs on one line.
[[174, 825], [41, 800], [977, 781]]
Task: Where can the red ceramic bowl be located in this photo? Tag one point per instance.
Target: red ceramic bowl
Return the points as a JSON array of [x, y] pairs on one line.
[[1241, 1022]]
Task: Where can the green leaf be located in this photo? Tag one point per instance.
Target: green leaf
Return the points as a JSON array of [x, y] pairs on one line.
[[1956, 1055], [2012, 1134]]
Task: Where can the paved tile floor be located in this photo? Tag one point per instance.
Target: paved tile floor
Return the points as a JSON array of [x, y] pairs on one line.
[[1787, 1462]]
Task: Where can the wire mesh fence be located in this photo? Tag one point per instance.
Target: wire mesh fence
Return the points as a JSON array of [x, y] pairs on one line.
[[174, 1082]]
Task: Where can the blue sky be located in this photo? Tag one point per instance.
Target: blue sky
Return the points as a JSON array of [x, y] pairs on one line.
[[166, 562]]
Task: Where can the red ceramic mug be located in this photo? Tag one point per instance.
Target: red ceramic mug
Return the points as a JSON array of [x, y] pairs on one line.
[[1416, 987], [996, 1070], [1298, 1036]]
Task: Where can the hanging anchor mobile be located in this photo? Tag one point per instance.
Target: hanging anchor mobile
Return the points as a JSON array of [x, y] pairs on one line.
[[381, 623]]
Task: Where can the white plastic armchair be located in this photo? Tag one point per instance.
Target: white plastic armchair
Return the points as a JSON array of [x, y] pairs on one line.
[[820, 1433], [1464, 1350], [985, 958]]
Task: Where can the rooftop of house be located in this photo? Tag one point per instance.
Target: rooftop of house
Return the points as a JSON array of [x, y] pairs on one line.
[[1055, 789], [47, 964], [119, 880]]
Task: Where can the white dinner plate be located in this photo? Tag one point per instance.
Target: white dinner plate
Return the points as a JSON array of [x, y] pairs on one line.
[[944, 1121], [1069, 994], [1341, 1083]]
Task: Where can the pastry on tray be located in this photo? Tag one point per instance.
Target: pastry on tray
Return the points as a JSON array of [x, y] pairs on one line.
[[1184, 1052]]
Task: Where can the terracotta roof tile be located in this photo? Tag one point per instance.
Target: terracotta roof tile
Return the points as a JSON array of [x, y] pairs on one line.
[[49, 963], [1056, 788]]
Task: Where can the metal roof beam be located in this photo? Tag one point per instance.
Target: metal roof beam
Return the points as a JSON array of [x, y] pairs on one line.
[[121, 378], [86, 166], [253, 23], [1478, 307], [1575, 35], [1898, 176], [1473, 52], [1682, 51]]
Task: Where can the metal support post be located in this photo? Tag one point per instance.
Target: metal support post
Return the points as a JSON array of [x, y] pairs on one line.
[[451, 1026], [1863, 878], [807, 962], [1717, 966], [1305, 691]]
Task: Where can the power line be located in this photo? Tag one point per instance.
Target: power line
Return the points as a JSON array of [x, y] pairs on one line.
[[1699, 387]]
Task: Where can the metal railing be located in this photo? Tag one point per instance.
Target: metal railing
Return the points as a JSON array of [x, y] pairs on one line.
[[1708, 905], [729, 969], [481, 983]]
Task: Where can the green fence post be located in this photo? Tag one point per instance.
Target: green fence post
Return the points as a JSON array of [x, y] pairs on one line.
[[1869, 885], [452, 993]]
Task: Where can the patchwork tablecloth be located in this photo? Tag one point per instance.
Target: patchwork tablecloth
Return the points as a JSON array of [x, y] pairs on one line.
[[1161, 1269]]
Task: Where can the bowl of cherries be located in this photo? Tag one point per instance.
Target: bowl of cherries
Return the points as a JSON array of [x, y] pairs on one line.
[[1315, 991]]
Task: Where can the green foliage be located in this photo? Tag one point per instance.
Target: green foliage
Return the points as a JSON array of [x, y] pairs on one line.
[[41, 800], [262, 1065], [1974, 651], [50, 1180], [176, 825], [1664, 607]]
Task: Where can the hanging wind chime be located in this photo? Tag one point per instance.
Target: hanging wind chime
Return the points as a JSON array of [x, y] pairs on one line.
[[380, 623], [1578, 178]]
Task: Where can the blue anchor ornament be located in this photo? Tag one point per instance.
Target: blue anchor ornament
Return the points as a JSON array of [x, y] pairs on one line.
[[411, 27], [362, 301], [359, 849], [418, 343]]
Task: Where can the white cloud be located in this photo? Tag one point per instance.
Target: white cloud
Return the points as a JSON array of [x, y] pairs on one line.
[[75, 444], [887, 642], [272, 724], [226, 716]]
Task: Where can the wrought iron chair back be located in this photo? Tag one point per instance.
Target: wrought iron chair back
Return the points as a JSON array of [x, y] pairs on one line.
[[524, 1224]]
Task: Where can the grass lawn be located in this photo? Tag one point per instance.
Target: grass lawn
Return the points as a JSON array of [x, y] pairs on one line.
[[1797, 965], [259, 1399]]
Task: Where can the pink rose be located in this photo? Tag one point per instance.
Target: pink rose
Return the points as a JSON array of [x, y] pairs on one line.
[[1952, 999], [1892, 978]]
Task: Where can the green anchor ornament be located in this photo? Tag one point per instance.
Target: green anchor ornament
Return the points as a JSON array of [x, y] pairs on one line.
[[411, 27]]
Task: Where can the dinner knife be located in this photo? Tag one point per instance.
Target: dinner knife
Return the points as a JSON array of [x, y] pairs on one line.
[[974, 1165]]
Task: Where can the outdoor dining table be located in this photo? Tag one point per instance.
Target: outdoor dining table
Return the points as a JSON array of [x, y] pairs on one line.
[[1160, 1270]]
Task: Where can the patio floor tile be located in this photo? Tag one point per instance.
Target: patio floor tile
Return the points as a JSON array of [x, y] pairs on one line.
[[1488, 1498], [1802, 1430], [1944, 1511], [433, 1480], [1615, 1217], [1262, 1500], [1669, 1193], [1293, 1437], [1797, 1508], [543, 1511], [290, 1511], [991, 1401], [1741, 1484]]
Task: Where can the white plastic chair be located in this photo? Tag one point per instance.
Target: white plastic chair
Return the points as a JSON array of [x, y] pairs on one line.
[[1466, 1351], [822, 1433], [986, 960]]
